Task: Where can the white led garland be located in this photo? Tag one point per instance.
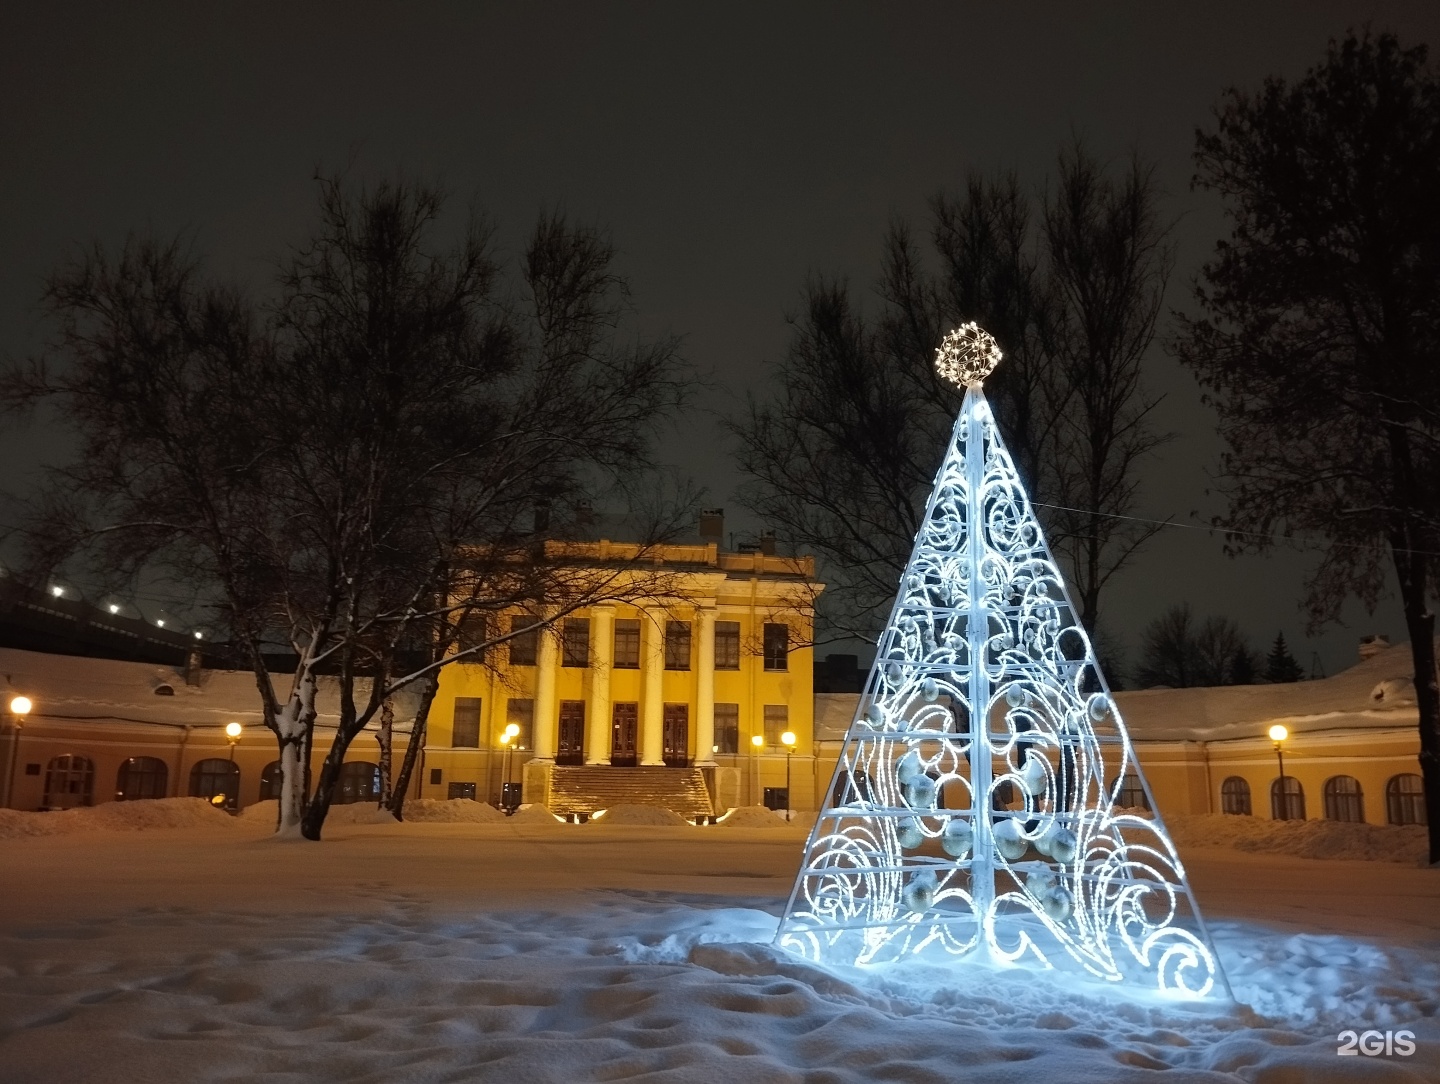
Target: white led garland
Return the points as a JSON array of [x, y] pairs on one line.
[[1020, 852]]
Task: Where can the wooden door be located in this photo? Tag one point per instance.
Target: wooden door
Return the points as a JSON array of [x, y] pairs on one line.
[[571, 749], [677, 735], [625, 729]]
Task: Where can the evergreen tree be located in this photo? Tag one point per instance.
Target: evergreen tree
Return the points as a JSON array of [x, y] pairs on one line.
[[1280, 665]]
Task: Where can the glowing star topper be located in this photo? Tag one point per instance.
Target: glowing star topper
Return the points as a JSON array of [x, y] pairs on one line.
[[976, 808], [967, 356]]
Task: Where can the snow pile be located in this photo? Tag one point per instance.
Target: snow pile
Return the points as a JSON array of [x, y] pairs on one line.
[[752, 816], [452, 811], [1301, 839], [641, 814], [139, 816], [535, 813]]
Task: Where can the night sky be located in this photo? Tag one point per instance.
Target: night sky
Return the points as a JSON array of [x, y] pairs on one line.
[[730, 150]]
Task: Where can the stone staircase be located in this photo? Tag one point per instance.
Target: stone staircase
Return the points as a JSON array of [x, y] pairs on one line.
[[586, 789]]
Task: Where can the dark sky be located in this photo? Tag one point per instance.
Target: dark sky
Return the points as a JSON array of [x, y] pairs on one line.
[[730, 150]]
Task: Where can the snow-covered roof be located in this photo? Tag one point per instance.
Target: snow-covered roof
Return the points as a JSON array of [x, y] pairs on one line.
[[1377, 693], [68, 687]]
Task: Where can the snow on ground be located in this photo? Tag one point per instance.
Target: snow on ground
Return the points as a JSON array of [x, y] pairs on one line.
[[117, 817], [528, 950], [638, 814]]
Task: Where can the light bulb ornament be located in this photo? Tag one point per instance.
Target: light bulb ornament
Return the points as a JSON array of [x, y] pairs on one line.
[[974, 806]]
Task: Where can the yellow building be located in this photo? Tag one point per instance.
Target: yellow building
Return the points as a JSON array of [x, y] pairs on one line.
[[1350, 752], [102, 730], [680, 700]]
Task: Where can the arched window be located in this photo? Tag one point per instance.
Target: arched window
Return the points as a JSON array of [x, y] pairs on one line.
[[270, 782], [1343, 800], [141, 777], [1292, 806], [69, 781], [1405, 800], [1235, 796], [359, 782], [214, 778], [1131, 792]]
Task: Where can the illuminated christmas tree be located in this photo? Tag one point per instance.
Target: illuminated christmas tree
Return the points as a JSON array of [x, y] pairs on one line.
[[975, 807]]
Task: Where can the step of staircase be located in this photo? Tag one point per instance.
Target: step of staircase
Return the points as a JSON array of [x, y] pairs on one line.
[[586, 789]]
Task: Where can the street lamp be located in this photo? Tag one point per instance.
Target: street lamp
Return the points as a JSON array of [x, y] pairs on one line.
[[232, 735], [756, 741], [788, 738], [507, 739], [1278, 734], [19, 708]]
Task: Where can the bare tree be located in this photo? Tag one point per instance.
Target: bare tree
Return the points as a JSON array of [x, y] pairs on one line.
[[324, 470], [1180, 652], [1108, 268], [843, 457]]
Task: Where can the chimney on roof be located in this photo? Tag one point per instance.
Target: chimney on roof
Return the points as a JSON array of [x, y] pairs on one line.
[[712, 525], [194, 663], [767, 542]]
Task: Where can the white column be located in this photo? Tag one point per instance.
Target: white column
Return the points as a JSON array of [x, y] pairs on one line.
[[546, 711], [705, 688], [597, 712], [652, 698]]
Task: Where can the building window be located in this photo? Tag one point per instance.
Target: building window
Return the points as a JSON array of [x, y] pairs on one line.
[[461, 790], [727, 645], [217, 781], [1235, 796], [777, 646], [1292, 806], [727, 728], [627, 645], [777, 721], [524, 645], [852, 787], [270, 781], [1130, 792], [521, 712], [571, 748], [677, 645], [465, 732], [1405, 800], [141, 777], [359, 782], [777, 798], [69, 781], [1343, 800], [472, 630], [575, 642]]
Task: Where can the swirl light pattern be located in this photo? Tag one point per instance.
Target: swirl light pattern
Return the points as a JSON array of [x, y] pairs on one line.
[[974, 806]]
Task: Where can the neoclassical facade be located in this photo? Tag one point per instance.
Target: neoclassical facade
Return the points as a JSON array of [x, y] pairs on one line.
[[678, 685]]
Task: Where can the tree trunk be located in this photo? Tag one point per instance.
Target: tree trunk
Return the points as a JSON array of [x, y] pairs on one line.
[[1410, 567], [417, 743], [385, 736]]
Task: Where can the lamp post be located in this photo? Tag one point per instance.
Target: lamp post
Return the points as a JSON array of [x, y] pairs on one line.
[[507, 739], [788, 738], [19, 707], [232, 735], [1278, 734], [756, 741]]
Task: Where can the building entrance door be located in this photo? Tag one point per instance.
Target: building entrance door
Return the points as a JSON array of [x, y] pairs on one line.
[[677, 735], [625, 728], [571, 749]]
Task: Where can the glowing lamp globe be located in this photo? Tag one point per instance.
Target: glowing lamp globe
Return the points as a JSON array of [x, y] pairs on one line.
[[967, 356], [757, 741], [217, 799], [1278, 733], [20, 705], [233, 731], [788, 738]]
